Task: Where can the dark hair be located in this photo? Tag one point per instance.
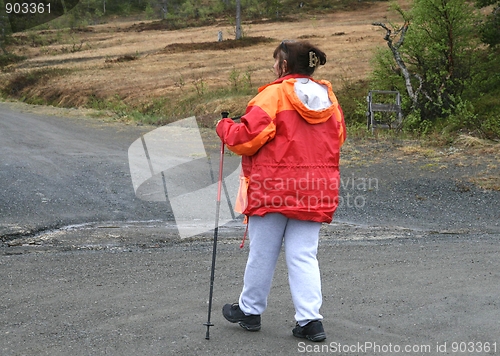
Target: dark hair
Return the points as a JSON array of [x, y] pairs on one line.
[[301, 57]]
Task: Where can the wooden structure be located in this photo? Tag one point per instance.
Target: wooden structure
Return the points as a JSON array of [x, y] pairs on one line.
[[387, 103]]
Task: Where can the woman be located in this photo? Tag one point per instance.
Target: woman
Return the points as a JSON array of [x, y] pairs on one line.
[[289, 140]]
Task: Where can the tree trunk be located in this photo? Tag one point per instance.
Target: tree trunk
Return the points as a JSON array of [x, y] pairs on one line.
[[164, 9], [238, 19], [3, 24], [413, 94]]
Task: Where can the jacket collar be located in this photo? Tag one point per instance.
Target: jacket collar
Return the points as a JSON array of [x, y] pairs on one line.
[[282, 79]]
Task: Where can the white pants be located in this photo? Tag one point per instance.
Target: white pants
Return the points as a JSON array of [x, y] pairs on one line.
[[266, 235]]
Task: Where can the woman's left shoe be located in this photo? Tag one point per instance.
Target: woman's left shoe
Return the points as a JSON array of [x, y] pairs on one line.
[[312, 331], [234, 314]]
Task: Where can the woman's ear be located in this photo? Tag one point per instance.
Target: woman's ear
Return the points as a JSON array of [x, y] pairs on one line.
[[284, 67]]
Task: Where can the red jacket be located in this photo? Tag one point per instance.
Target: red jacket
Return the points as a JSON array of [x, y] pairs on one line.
[[289, 139]]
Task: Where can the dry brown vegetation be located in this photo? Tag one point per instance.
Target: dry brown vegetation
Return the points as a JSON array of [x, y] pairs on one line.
[[138, 63]]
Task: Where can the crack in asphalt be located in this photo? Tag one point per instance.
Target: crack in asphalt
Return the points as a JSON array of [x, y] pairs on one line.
[[131, 236]]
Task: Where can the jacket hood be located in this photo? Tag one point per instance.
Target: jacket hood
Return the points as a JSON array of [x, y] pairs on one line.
[[313, 99]]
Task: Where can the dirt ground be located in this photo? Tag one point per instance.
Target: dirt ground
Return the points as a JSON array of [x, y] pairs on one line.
[[124, 60]]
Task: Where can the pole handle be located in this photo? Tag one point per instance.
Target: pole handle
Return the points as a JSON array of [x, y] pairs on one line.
[[225, 115]]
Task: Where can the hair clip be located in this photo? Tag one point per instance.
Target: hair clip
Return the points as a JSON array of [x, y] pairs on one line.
[[313, 59]]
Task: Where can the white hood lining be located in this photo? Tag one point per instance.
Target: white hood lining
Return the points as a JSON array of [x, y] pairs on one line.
[[313, 95]]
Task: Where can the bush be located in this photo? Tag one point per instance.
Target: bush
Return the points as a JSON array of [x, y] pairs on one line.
[[352, 99]]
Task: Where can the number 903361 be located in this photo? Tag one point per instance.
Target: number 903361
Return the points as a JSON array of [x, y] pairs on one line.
[[25, 8]]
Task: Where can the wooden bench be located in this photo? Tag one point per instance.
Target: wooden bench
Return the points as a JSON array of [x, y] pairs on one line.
[[390, 104]]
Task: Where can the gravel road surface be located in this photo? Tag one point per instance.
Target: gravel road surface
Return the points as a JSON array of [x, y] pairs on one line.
[[410, 265]]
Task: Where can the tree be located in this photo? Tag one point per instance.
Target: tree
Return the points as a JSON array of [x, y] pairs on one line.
[[437, 48]]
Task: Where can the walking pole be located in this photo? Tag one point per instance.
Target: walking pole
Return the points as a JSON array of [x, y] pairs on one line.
[[216, 231]]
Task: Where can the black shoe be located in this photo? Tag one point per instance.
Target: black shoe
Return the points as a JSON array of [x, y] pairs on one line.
[[312, 331], [233, 313]]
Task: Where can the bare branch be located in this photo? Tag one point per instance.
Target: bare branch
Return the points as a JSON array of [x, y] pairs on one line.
[[399, 59], [419, 89], [402, 30], [387, 29]]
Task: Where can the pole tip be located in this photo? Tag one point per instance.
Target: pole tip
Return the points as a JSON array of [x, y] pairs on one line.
[[208, 325]]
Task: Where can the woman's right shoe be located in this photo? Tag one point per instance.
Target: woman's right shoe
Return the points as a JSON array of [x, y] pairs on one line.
[[311, 331], [234, 314]]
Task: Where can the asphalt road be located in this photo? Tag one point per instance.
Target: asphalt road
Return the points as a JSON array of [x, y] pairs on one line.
[[410, 265], [59, 171]]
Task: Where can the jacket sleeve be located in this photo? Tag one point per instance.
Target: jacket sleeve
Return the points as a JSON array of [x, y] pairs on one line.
[[255, 129]]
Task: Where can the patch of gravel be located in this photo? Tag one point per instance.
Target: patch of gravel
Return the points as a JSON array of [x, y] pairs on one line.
[[384, 186]]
